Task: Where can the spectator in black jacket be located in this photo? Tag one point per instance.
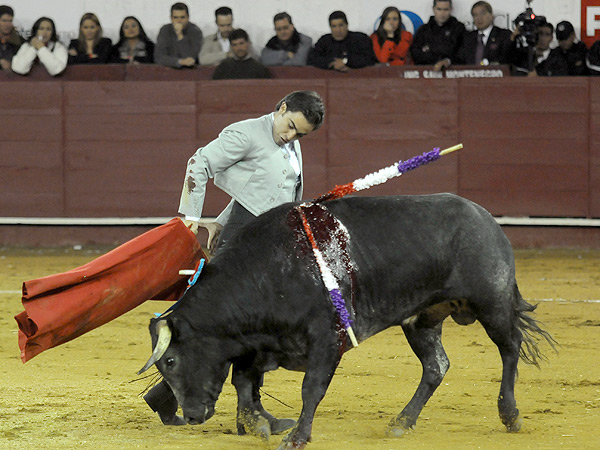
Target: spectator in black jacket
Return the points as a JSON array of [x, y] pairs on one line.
[[134, 46], [437, 42], [90, 47], [569, 58], [593, 59], [342, 49]]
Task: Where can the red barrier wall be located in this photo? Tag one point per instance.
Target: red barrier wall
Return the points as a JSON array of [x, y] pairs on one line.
[[114, 141]]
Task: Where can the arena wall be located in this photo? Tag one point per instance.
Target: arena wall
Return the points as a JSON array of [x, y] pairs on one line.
[[114, 141]]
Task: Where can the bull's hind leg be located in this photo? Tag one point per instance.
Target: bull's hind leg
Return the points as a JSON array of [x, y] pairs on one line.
[[505, 334], [426, 342]]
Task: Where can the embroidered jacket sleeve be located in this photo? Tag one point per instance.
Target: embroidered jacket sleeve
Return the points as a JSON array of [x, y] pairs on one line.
[[230, 147]]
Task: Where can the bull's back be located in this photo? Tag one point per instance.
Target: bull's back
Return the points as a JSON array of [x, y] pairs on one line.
[[411, 251], [429, 223], [407, 252]]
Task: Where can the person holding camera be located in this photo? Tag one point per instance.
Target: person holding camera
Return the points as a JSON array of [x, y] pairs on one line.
[[529, 56]]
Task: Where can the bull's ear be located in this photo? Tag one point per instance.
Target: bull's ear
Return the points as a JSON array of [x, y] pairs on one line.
[[162, 344]]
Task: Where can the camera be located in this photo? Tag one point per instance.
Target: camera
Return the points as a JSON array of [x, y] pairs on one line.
[[528, 24]]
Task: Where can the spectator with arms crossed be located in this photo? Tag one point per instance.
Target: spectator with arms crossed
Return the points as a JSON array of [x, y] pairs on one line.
[[288, 47], [341, 49], [178, 43]]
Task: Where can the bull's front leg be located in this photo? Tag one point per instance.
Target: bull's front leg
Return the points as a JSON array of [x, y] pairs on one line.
[[320, 369], [251, 416]]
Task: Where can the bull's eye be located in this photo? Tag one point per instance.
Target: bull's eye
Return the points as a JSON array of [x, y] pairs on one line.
[[170, 362]]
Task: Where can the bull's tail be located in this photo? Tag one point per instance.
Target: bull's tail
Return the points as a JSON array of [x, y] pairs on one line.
[[531, 331]]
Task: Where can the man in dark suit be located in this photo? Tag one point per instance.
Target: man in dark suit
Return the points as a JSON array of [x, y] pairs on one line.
[[488, 44]]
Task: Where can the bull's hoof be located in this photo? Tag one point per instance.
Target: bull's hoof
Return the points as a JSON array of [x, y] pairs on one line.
[[261, 428], [172, 419], [397, 431], [278, 426], [255, 425], [399, 427], [288, 444], [515, 426]]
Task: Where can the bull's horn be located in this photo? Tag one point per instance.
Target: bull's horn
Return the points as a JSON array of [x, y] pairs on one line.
[[162, 343]]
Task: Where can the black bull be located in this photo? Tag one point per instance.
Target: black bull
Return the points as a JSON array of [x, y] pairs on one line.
[[261, 304]]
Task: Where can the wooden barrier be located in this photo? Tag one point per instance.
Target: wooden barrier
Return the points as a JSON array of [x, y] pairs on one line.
[[113, 141]]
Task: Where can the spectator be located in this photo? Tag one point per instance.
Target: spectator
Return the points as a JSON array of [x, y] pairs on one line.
[[44, 46], [437, 42], [288, 47], [178, 43], [569, 58], [342, 49], [390, 42], [10, 39], [593, 59], [134, 46], [520, 52], [241, 64], [488, 44], [90, 47], [215, 48]]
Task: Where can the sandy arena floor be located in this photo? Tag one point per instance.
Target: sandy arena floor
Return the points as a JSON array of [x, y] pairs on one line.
[[83, 395]]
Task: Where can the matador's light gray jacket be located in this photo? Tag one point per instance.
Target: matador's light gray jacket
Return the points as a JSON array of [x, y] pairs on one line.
[[247, 164]]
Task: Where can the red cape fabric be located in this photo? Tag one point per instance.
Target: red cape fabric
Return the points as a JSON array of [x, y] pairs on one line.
[[61, 307]]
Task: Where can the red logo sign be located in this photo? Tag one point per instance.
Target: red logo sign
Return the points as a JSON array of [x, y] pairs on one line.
[[590, 21]]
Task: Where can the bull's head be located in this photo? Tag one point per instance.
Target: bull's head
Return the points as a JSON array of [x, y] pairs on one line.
[[190, 364]]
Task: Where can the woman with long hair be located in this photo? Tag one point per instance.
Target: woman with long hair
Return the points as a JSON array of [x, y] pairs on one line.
[[134, 46], [44, 46], [390, 42], [90, 47]]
